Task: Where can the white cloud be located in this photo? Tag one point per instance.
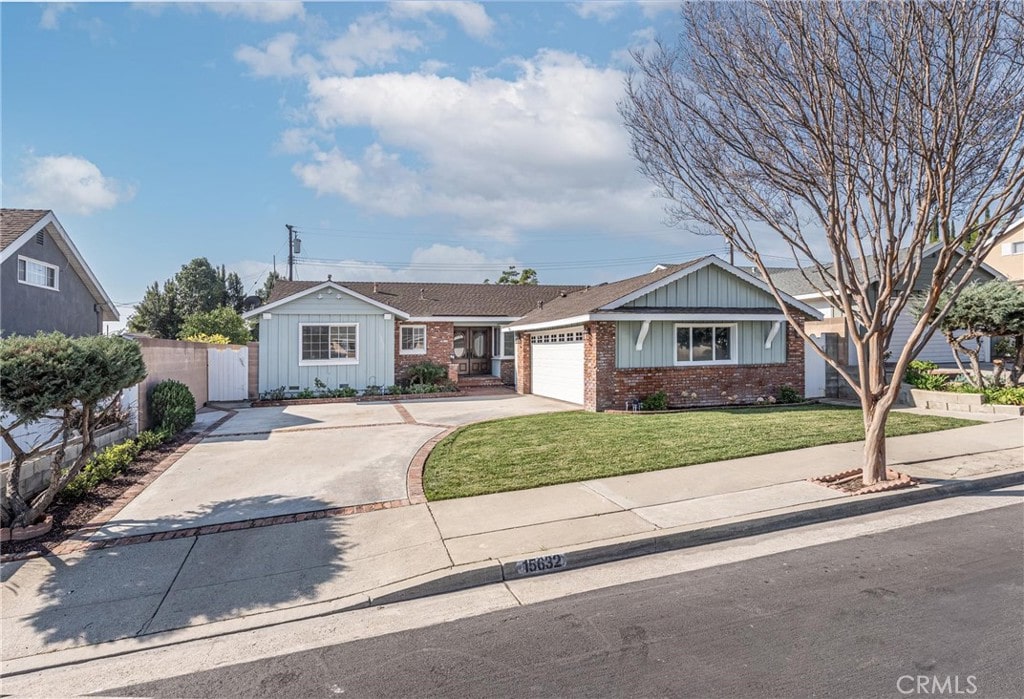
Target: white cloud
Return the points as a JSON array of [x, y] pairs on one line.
[[267, 11], [369, 41], [50, 18], [434, 263], [542, 150], [299, 140], [67, 182], [276, 59], [471, 16], [601, 10]]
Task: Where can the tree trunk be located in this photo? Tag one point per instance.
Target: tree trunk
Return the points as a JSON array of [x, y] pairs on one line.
[[875, 418]]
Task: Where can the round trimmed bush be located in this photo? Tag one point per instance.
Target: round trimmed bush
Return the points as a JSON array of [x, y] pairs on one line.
[[172, 406]]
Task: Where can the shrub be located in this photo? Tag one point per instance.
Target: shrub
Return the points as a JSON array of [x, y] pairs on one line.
[[172, 406], [347, 392], [788, 394], [220, 321], [214, 339], [373, 390], [655, 401], [274, 394], [427, 373], [919, 376], [108, 463], [1011, 395], [305, 393], [394, 390]]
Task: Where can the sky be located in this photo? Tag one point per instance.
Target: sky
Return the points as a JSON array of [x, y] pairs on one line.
[[422, 141]]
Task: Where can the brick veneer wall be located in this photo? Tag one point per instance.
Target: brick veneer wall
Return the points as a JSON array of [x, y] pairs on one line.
[[508, 371], [524, 353], [440, 342], [598, 365], [713, 385]]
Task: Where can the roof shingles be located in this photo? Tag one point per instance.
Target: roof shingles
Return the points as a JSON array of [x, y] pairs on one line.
[[16, 222]]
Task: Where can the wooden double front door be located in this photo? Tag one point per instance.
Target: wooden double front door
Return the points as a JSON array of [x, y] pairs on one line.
[[472, 350]]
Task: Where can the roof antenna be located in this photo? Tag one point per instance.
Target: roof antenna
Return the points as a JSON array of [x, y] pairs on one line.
[[328, 277]]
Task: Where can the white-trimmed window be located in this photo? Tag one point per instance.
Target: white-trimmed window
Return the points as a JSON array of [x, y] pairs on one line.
[[334, 343], [506, 342], [698, 344], [1016, 248], [36, 273], [412, 339]]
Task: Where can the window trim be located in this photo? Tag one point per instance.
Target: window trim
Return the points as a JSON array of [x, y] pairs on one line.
[[44, 265], [403, 328], [498, 341], [733, 345], [1016, 248], [328, 362]]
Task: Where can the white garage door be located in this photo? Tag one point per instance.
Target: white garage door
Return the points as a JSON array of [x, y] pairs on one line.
[[557, 364]]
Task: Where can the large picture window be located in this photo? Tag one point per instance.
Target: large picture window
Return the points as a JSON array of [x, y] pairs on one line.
[[705, 344], [337, 343], [413, 339], [36, 273]]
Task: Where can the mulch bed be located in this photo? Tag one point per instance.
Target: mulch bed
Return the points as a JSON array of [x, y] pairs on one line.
[[69, 517], [852, 482]]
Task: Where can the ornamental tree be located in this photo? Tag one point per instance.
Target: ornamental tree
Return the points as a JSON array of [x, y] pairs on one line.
[[843, 135], [69, 386], [983, 310]]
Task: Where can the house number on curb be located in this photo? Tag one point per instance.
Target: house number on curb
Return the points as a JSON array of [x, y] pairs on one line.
[[541, 564]]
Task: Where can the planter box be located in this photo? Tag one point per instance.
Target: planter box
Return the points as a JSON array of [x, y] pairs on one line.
[[960, 402]]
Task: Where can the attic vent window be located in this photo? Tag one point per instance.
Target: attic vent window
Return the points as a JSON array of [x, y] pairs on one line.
[[40, 238]]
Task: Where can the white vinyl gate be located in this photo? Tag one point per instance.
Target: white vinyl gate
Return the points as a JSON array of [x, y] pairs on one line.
[[557, 365], [814, 369], [228, 373]]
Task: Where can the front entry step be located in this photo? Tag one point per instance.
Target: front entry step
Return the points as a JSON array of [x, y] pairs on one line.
[[478, 381]]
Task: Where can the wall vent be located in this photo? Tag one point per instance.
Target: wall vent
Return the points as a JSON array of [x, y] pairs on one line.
[[40, 238]]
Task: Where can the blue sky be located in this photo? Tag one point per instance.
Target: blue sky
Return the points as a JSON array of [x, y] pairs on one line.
[[405, 141]]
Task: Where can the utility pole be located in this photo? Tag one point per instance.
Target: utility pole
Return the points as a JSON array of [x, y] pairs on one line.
[[294, 246]]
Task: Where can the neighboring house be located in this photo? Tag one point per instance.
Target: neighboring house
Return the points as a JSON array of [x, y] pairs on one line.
[[798, 283], [1008, 255], [361, 334], [704, 332], [45, 283]]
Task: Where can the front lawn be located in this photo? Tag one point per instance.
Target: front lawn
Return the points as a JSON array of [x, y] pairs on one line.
[[526, 452]]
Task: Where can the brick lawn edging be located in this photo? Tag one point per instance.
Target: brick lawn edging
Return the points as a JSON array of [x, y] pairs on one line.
[[414, 476], [895, 481]]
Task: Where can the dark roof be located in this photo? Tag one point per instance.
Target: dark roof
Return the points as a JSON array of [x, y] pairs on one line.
[[425, 299], [592, 298], [795, 283], [15, 222]]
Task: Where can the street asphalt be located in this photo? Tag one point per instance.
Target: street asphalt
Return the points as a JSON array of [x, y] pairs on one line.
[[908, 612]]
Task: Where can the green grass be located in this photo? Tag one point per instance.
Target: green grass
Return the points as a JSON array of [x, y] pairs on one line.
[[526, 452]]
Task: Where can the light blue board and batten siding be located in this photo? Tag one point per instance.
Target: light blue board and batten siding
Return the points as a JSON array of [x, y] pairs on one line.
[[279, 344], [708, 287], [659, 348]]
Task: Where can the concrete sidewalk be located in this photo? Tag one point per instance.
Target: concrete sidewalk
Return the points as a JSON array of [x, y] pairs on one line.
[[318, 565]]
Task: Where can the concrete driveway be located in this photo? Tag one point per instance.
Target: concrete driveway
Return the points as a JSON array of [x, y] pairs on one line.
[[266, 462]]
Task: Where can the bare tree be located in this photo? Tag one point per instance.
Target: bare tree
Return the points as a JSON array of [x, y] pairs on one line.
[[843, 134]]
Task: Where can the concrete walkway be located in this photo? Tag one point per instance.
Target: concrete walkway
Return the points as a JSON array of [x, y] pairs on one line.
[[322, 564]]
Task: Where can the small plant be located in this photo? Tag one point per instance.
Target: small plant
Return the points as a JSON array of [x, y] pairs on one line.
[[319, 384], [655, 401], [1006, 396], [108, 463], [919, 375], [274, 394], [347, 392], [395, 390], [427, 373], [788, 394], [211, 339], [373, 390], [172, 406], [306, 393]]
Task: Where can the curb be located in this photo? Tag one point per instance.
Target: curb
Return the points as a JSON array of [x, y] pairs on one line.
[[505, 569]]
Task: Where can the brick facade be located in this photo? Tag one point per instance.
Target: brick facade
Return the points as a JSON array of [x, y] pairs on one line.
[[439, 347], [598, 365], [734, 384], [524, 353], [508, 371]]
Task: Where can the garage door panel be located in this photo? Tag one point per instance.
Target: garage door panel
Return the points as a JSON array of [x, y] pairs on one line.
[[557, 370]]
